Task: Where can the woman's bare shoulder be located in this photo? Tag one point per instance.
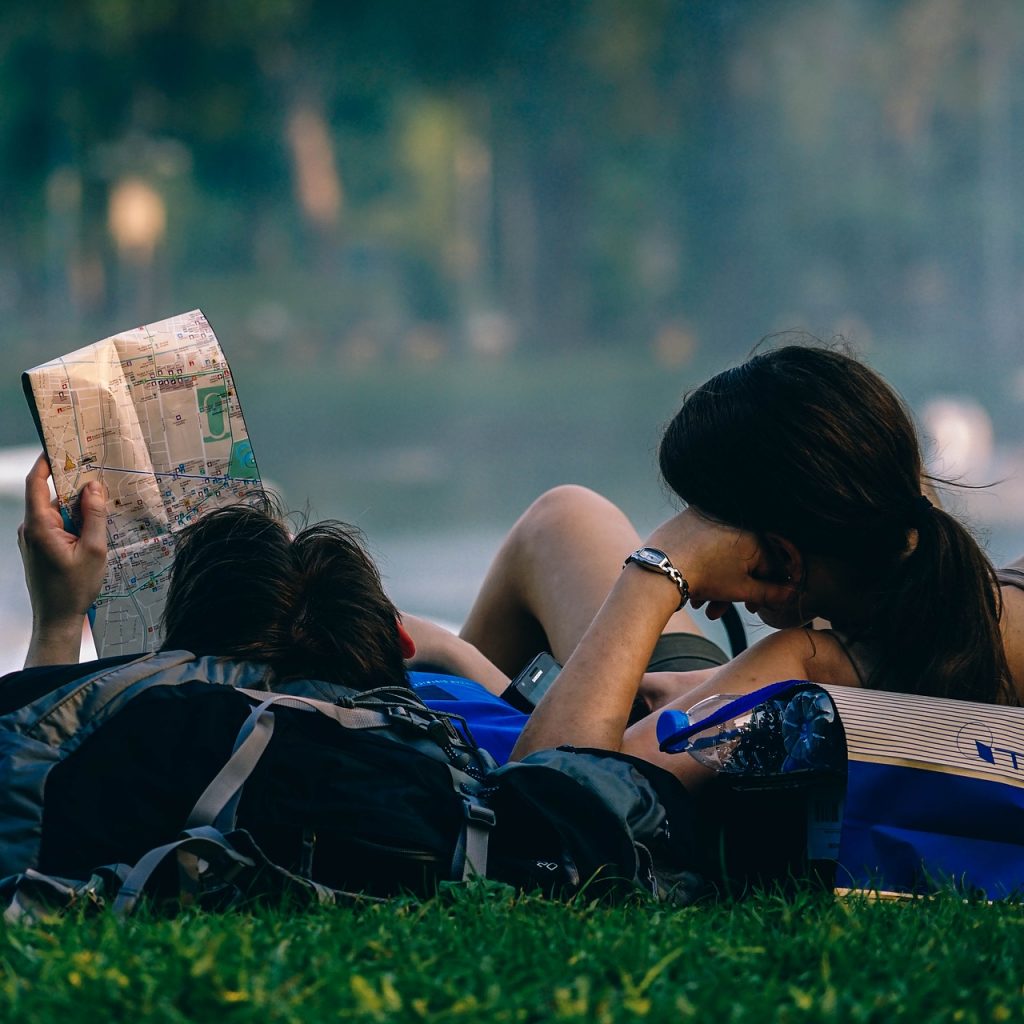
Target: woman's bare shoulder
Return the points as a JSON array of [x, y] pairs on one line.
[[796, 653], [1012, 624]]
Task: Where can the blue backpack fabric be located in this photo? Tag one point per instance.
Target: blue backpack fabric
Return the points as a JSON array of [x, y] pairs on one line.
[[494, 724]]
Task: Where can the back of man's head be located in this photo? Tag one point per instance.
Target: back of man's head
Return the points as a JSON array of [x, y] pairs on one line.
[[311, 606]]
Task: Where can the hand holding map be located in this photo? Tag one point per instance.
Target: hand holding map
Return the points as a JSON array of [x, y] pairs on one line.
[[152, 414], [64, 571]]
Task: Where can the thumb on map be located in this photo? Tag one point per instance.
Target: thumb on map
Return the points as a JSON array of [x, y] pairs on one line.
[[94, 516]]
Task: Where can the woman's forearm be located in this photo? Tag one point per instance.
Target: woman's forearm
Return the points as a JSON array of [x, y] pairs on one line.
[[590, 701], [589, 704]]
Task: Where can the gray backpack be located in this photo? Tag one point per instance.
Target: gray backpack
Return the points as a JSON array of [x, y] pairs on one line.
[[189, 778]]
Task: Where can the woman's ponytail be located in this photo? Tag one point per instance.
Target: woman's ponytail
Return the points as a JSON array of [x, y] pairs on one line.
[[936, 623]]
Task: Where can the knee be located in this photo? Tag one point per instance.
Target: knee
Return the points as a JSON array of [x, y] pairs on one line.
[[566, 503], [568, 510]]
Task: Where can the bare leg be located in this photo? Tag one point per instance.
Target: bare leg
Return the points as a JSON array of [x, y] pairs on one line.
[[550, 576]]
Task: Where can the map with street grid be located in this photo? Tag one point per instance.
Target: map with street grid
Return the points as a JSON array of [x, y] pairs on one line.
[[152, 413]]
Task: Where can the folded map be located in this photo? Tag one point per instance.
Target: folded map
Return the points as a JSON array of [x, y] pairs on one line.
[[153, 413]]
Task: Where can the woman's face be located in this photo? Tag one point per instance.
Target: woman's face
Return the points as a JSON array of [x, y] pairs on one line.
[[813, 581], [794, 612], [822, 589]]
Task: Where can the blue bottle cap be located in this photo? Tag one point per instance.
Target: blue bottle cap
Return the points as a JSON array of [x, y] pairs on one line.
[[670, 723]]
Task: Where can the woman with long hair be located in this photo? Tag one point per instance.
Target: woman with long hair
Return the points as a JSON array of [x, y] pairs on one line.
[[801, 475]]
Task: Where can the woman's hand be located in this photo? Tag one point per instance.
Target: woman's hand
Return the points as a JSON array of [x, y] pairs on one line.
[[589, 704], [64, 573], [721, 564]]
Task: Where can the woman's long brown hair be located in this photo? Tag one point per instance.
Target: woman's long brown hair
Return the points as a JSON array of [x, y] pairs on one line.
[[811, 444]]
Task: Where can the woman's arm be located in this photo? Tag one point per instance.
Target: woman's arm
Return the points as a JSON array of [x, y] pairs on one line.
[[788, 654], [590, 701], [64, 573], [1012, 625]]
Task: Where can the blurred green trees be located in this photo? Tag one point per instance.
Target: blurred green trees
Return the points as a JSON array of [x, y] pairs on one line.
[[372, 177]]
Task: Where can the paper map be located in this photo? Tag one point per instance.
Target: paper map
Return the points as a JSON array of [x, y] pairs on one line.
[[153, 413]]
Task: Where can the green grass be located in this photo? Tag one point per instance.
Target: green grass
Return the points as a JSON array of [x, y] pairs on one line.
[[482, 954]]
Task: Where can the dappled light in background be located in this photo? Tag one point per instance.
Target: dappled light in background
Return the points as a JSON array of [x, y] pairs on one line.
[[137, 218], [317, 184], [964, 442], [587, 174]]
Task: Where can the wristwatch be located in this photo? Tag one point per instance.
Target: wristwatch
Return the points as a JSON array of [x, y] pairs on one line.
[[655, 560]]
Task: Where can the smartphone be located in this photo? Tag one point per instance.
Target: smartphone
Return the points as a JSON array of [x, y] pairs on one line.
[[526, 690]]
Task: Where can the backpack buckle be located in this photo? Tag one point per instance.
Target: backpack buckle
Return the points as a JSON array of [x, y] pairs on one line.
[[479, 815], [471, 852]]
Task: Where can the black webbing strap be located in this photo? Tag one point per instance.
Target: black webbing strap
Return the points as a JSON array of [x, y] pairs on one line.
[[205, 842]]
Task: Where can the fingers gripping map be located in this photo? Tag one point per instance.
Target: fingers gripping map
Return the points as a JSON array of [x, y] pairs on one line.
[[154, 415]]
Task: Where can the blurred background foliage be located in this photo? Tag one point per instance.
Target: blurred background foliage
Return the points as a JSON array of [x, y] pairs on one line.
[[459, 251]]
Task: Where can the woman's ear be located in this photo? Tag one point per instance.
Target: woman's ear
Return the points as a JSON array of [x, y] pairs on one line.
[[405, 642], [784, 563]]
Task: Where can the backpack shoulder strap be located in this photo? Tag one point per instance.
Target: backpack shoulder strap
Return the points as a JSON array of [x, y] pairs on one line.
[[60, 718], [207, 842]]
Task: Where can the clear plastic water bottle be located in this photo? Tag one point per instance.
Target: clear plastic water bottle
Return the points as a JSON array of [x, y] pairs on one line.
[[796, 730]]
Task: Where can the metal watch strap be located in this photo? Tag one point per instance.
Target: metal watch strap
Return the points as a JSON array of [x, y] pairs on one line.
[[665, 567]]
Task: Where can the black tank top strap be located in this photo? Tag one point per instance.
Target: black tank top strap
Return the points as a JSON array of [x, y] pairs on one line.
[[846, 645]]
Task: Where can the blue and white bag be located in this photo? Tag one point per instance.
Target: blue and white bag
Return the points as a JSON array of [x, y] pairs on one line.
[[930, 791]]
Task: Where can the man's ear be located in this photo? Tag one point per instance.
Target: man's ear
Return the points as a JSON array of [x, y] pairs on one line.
[[785, 564], [406, 642]]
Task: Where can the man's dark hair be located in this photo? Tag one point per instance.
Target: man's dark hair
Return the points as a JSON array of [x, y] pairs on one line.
[[311, 606]]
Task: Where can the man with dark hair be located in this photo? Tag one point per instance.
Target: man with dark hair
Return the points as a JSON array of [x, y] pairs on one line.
[[263, 610], [309, 606]]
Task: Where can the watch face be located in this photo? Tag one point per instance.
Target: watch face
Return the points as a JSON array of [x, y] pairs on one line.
[[652, 556]]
